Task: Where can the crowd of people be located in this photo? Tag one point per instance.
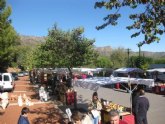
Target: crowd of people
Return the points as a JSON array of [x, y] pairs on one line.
[[140, 106]]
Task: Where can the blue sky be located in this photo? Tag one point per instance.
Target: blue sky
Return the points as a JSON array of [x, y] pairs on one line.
[[35, 17]]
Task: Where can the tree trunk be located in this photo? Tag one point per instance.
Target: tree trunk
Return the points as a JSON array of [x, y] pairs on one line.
[[70, 72]]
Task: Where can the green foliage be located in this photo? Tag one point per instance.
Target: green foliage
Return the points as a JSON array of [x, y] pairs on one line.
[[66, 49], [142, 62], [159, 61], [103, 62], [8, 37], [118, 58], [42, 58], [150, 22]]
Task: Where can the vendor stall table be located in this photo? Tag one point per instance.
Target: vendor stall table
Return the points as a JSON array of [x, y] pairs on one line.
[[159, 89]]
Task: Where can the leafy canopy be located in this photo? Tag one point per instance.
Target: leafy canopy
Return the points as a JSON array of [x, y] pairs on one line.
[[150, 22], [68, 48], [8, 37], [118, 58], [103, 62]]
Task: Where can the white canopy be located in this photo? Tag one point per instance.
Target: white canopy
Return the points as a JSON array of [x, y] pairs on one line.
[[156, 70], [128, 70], [95, 82]]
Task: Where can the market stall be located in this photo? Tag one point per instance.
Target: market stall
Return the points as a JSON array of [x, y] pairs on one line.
[[120, 76], [158, 74], [95, 82], [124, 112]]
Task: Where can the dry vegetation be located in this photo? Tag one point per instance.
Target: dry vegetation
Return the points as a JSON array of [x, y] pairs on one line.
[[31, 40]]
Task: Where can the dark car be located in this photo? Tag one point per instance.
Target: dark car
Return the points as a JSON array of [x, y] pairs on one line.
[[15, 75]]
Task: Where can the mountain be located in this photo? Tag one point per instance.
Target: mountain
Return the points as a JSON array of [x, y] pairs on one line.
[[154, 54], [106, 50], [31, 40]]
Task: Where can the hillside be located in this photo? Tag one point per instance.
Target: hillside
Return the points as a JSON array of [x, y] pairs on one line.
[[31, 40], [104, 50], [154, 54], [34, 40], [108, 49]]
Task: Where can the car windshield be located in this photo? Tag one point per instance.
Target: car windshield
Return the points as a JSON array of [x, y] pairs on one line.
[[6, 78]]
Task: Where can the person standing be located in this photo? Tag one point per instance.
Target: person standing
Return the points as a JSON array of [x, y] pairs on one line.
[[141, 108], [134, 95], [95, 108], [23, 119]]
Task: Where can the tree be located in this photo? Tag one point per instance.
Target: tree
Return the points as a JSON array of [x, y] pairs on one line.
[[119, 58], [141, 62], [69, 48], [159, 61], [42, 57], [25, 57], [8, 37], [103, 62], [150, 22]]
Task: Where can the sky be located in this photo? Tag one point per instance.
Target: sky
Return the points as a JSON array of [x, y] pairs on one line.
[[36, 17]]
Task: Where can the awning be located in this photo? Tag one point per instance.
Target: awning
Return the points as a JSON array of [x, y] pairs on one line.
[[129, 70], [95, 82], [156, 70]]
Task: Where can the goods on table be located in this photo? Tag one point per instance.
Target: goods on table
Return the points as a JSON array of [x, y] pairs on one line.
[[108, 106], [111, 106], [4, 100]]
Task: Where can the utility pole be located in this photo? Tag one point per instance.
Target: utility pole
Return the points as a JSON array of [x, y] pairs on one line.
[[139, 55], [128, 51], [139, 50]]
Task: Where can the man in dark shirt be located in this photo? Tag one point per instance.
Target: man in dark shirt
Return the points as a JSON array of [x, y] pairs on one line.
[[141, 108], [23, 119], [135, 94]]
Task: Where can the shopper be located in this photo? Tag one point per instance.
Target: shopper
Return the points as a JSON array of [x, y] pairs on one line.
[[141, 108], [95, 108], [23, 119]]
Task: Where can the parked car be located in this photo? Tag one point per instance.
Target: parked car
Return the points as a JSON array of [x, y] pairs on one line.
[[15, 75], [21, 74], [6, 81], [26, 73]]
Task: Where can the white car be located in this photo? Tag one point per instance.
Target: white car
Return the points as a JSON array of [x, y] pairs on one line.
[[6, 81], [26, 73], [21, 74]]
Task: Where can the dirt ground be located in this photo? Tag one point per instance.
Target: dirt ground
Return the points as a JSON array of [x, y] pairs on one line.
[[40, 112]]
